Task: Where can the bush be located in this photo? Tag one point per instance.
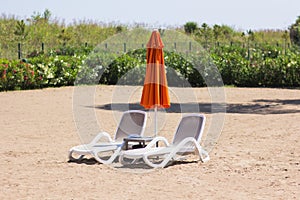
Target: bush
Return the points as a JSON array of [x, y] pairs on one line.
[[179, 71], [16, 75], [263, 67], [259, 67], [57, 70], [39, 72], [123, 64]]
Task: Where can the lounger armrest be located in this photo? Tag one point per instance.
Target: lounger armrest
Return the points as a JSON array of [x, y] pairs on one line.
[[101, 135], [155, 140]]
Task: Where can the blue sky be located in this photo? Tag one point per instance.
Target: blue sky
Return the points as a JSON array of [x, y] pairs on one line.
[[239, 14]]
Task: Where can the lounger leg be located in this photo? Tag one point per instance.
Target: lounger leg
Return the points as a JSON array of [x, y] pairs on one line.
[[206, 158], [203, 155]]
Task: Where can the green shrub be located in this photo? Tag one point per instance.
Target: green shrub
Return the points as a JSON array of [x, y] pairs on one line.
[[180, 72], [57, 70], [266, 66], [16, 75]]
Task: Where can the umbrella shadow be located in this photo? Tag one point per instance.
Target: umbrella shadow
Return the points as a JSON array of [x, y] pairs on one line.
[[280, 101], [260, 106], [174, 108]]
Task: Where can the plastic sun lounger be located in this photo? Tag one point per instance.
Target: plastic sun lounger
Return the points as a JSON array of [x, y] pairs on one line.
[[132, 122], [186, 140]]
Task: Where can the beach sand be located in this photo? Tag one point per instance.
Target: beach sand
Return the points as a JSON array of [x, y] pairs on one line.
[[257, 155]]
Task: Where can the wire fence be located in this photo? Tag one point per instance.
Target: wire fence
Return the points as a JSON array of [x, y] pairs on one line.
[[19, 51]]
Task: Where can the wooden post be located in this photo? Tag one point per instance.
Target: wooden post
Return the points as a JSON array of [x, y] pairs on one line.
[[248, 50], [19, 51]]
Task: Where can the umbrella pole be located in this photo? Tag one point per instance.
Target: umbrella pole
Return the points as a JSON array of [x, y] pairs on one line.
[[155, 121]]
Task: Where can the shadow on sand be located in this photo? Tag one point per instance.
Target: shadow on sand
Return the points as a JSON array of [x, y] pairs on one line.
[[87, 161], [260, 106]]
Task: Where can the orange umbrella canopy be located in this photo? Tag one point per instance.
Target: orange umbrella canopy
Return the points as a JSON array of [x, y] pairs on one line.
[[155, 91]]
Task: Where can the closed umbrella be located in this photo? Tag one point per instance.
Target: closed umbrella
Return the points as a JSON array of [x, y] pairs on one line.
[[155, 93]]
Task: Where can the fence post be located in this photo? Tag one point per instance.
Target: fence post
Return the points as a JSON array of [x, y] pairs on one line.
[[248, 50], [105, 45], [248, 53], [43, 47], [174, 45], [19, 51], [190, 46], [124, 47]]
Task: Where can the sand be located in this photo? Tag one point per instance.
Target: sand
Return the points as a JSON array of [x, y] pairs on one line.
[[257, 155]]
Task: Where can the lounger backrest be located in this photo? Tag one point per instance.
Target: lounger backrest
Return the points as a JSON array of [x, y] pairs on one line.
[[132, 122], [190, 126]]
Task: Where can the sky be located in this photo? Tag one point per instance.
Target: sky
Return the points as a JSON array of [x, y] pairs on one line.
[[238, 14]]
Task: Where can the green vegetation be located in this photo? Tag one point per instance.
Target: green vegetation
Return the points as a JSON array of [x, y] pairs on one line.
[[295, 32], [190, 27], [42, 71], [42, 34], [52, 54]]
